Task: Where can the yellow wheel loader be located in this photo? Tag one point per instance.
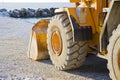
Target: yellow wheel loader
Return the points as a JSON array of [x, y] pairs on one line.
[[72, 33]]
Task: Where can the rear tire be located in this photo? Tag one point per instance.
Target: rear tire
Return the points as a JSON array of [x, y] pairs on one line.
[[114, 55], [73, 54]]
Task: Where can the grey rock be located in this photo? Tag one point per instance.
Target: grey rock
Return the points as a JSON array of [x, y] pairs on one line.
[[23, 12], [4, 14], [3, 10], [38, 12], [15, 13], [46, 13], [30, 12]]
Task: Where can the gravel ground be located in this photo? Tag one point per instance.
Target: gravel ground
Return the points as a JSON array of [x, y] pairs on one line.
[[14, 64]]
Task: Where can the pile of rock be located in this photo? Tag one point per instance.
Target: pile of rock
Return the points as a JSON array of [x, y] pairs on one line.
[[28, 13]]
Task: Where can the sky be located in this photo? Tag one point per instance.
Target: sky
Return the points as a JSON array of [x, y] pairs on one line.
[[11, 6], [45, 1], [18, 4]]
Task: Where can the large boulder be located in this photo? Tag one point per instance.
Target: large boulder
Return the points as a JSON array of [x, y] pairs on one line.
[[4, 12], [15, 13], [43, 12], [38, 12], [23, 12], [30, 12], [52, 11], [46, 13]]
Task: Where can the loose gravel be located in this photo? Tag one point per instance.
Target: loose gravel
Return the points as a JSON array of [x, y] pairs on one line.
[[14, 64]]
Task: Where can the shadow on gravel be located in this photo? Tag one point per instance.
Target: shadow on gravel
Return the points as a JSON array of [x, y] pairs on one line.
[[93, 67], [46, 62]]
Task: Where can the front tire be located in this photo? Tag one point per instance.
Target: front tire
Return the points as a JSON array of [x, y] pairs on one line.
[[114, 54], [69, 54]]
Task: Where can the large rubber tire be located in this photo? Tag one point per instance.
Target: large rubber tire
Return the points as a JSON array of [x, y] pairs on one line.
[[73, 54], [114, 54]]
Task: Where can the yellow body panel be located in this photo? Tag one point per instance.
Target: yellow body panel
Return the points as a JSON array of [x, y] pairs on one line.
[[93, 18], [73, 1]]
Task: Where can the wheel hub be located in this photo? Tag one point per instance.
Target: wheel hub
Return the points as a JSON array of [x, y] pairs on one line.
[[56, 42]]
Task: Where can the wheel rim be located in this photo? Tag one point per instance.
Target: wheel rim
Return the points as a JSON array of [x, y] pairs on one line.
[[56, 42]]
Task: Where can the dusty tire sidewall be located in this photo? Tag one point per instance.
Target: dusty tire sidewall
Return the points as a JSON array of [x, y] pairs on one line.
[[116, 50], [115, 71], [113, 52], [56, 25]]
